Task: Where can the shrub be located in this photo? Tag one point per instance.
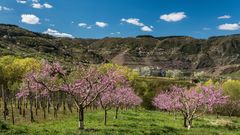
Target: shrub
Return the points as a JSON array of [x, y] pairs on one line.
[[232, 88], [174, 74], [3, 125], [199, 75]]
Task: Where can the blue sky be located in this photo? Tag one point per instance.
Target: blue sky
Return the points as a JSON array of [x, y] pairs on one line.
[[123, 18]]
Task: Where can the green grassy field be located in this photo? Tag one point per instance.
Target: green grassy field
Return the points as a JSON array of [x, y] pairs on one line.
[[234, 75], [132, 122]]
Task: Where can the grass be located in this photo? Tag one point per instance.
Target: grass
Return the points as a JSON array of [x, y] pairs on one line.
[[132, 122], [234, 75]]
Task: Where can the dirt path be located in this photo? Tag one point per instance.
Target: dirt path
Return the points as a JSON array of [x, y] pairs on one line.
[[119, 59]]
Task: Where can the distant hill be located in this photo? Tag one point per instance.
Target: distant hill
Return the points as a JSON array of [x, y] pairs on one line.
[[176, 52], [172, 52], [18, 41]]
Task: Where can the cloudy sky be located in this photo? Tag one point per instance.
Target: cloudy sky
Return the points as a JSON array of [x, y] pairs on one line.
[[123, 18]]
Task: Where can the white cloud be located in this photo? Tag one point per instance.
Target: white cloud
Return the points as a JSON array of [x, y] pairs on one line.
[[57, 34], [46, 5], [30, 19], [224, 17], [231, 27], [115, 33], [101, 24], [35, 1], [89, 27], [83, 25], [22, 1], [146, 29], [2, 8], [134, 21], [173, 17], [39, 6]]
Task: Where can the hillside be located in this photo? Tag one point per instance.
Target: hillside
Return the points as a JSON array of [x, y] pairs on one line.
[[173, 52], [17, 41]]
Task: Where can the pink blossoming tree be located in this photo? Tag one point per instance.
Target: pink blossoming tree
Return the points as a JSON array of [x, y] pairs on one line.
[[119, 97], [191, 103], [87, 87], [84, 85], [38, 85]]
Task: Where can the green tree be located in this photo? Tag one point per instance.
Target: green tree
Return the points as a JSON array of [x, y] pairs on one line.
[[12, 70], [232, 89]]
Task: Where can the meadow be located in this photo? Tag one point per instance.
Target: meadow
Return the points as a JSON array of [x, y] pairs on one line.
[[49, 99], [132, 122]]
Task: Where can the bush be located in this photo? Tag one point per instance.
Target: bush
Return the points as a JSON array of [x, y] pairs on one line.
[[174, 74], [19, 130], [3, 125], [199, 75], [232, 88]]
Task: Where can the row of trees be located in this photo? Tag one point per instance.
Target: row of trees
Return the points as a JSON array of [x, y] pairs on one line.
[[28, 83], [44, 85], [12, 70]]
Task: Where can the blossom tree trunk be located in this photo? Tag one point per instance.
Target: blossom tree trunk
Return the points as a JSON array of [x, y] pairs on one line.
[[13, 119], [116, 113], [24, 107], [105, 117], [81, 118], [31, 110], [5, 109], [185, 121]]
